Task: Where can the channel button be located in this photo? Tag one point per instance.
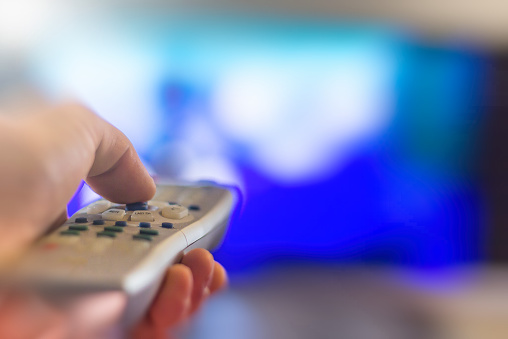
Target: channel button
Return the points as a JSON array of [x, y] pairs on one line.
[[142, 216]]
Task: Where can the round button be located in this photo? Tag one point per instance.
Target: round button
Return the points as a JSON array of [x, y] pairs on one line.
[[121, 223], [98, 222], [81, 220], [145, 224]]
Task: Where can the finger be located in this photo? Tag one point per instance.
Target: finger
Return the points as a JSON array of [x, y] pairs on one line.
[[81, 145], [173, 301], [117, 173], [201, 264], [219, 278], [48, 156]]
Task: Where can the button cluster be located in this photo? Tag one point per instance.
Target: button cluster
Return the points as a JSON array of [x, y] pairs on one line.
[[145, 233], [140, 214]]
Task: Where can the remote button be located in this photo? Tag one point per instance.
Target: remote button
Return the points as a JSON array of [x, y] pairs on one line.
[[78, 227], [69, 233], [113, 214], [121, 223], [81, 220], [106, 234], [98, 207], [145, 224], [98, 222], [167, 225], [137, 206], [148, 232], [194, 208], [142, 237], [142, 216], [175, 212], [172, 203], [113, 229]]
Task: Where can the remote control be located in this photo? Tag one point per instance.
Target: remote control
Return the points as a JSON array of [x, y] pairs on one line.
[[107, 246]]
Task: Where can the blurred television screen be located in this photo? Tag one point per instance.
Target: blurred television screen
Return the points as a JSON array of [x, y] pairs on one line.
[[352, 142]]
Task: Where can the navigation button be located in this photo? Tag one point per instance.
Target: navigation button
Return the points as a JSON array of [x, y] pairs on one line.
[[167, 225], [113, 229], [69, 233], [106, 234], [113, 214], [78, 227], [175, 212], [142, 237], [148, 232]]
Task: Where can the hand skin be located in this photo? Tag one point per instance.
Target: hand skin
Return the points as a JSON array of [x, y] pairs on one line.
[[44, 157]]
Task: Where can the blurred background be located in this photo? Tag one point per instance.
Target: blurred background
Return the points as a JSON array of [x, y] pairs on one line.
[[368, 139]]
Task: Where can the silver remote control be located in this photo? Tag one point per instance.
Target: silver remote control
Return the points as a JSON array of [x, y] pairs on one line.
[[107, 246]]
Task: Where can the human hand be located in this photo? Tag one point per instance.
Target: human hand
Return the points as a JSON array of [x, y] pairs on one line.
[[44, 158]]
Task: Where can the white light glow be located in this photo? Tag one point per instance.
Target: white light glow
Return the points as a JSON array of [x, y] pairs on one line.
[[116, 81], [250, 100], [301, 122], [22, 20]]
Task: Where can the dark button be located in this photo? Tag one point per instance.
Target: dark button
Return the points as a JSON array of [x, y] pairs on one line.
[[106, 234], [148, 232], [145, 224], [137, 206], [78, 227], [98, 222], [142, 237], [207, 182], [81, 220], [113, 229], [69, 233], [121, 223], [172, 203], [194, 208], [167, 225]]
